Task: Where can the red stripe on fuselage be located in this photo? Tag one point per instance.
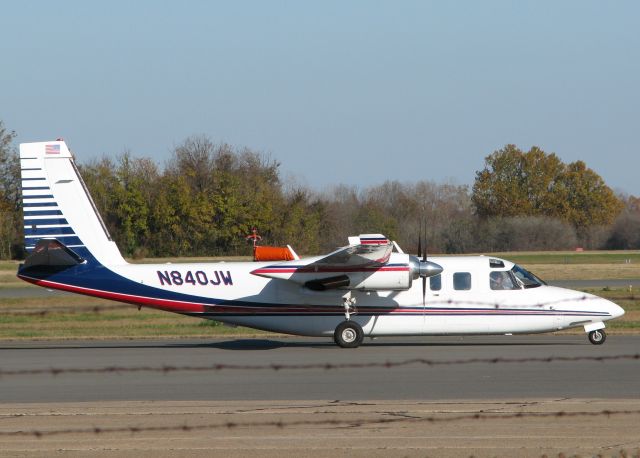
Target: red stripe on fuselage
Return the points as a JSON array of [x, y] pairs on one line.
[[312, 270], [164, 304], [195, 308]]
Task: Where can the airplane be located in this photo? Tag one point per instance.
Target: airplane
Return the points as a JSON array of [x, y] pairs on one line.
[[368, 288]]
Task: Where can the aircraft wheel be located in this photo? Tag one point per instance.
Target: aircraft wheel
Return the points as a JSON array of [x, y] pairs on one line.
[[348, 334], [597, 337]]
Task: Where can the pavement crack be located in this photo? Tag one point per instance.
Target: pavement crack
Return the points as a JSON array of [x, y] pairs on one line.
[[336, 403], [402, 414], [623, 444]]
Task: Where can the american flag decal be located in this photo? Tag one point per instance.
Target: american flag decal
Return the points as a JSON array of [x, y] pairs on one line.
[[52, 149]]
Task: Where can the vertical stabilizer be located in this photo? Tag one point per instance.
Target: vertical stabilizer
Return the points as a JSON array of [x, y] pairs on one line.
[[57, 204]]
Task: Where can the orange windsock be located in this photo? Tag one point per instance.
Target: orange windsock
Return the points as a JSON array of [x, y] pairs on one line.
[[272, 253]]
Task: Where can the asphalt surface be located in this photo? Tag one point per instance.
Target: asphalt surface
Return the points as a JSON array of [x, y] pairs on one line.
[[615, 379]]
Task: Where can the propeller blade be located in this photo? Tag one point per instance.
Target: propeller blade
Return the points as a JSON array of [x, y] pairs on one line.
[[420, 240], [424, 255], [424, 291]]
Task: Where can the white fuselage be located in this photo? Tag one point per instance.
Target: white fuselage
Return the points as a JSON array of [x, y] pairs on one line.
[[278, 305], [70, 249]]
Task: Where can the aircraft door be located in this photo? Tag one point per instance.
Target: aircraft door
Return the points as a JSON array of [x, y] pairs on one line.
[[432, 297]]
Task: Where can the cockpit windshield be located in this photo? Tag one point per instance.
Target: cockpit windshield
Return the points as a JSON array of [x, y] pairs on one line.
[[527, 279]]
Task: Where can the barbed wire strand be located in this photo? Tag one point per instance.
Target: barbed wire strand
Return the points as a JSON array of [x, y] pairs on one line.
[[166, 369], [328, 422], [97, 309]]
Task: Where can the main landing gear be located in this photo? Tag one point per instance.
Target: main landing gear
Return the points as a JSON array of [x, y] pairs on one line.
[[597, 337], [348, 334]]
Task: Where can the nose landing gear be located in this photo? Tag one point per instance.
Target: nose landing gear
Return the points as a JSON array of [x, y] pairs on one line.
[[597, 336]]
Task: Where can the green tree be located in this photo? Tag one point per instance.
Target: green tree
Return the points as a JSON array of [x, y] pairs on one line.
[[590, 201], [212, 195], [625, 233], [124, 192], [10, 218], [514, 183], [136, 179], [299, 222]]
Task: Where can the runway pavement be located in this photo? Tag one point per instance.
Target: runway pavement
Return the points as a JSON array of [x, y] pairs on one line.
[[579, 379], [479, 409]]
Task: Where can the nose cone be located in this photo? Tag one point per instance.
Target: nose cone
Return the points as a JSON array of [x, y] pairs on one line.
[[615, 310], [429, 269], [423, 269], [611, 308]]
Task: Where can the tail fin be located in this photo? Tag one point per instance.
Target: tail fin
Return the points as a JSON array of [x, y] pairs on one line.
[[57, 204]]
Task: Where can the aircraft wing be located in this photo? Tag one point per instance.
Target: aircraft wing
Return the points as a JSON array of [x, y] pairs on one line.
[[368, 250], [348, 267]]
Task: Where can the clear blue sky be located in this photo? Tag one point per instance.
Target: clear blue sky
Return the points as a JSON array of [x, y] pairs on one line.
[[353, 92]]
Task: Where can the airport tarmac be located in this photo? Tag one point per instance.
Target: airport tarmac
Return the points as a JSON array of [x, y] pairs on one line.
[[526, 380], [458, 409]]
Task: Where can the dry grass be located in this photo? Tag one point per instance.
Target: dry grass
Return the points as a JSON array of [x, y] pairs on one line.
[[552, 272], [79, 317]]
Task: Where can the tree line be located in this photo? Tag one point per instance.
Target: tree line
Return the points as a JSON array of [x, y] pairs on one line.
[[208, 197]]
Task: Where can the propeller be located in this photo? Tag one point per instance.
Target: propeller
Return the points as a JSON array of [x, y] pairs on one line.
[[420, 240], [424, 260], [422, 267]]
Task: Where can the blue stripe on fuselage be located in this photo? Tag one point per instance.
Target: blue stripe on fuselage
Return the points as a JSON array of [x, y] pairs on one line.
[[92, 275]]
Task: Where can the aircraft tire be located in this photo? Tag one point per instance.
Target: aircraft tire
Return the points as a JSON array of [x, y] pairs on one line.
[[348, 334], [597, 337]]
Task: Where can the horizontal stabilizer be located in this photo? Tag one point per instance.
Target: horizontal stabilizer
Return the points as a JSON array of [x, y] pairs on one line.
[[51, 252]]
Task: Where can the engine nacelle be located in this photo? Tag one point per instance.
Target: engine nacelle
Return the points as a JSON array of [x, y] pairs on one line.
[[386, 278], [395, 275]]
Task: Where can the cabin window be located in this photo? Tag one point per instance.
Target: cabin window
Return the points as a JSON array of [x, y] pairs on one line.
[[462, 281], [435, 282], [501, 280]]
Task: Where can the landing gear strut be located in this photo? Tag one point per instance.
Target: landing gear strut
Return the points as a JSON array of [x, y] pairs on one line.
[[597, 337], [349, 302], [348, 334]]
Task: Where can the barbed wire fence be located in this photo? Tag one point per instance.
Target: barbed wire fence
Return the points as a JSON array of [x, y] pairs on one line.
[[167, 369], [358, 422], [328, 366], [441, 418]]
